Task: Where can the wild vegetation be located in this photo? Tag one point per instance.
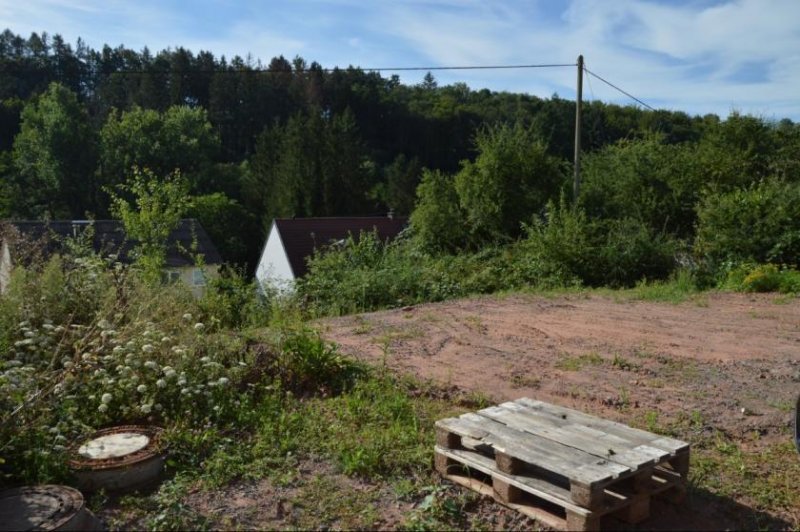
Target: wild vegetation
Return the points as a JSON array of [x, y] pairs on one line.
[[246, 389]]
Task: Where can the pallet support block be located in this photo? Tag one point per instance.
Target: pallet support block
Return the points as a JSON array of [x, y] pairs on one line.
[[680, 464], [508, 464], [636, 512], [506, 492], [576, 521], [445, 465], [586, 496], [446, 439]]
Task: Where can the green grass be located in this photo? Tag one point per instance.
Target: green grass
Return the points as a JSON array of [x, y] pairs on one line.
[[327, 505], [767, 478], [623, 364], [680, 287], [576, 363]]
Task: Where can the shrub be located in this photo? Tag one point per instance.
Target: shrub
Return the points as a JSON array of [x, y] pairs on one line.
[[569, 247], [88, 344], [232, 302], [646, 179], [760, 224], [308, 364], [766, 278], [763, 278]]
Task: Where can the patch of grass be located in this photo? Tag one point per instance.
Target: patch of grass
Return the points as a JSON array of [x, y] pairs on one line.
[[765, 478], [680, 287], [442, 508], [330, 506], [678, 367], [522, 380], [430, 317], [576, 363], [173, 513], [783, 406], [625, 365], [362, 325], [376, 429], [395, 334], [784, 299], [473, 322]]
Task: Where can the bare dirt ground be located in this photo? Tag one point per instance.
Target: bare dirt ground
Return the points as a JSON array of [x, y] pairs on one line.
[[720, 364]]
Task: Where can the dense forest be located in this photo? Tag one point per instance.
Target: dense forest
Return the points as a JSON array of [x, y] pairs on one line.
[[473, 168]]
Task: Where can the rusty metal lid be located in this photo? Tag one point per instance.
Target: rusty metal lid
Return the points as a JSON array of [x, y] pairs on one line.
[[45, 507], [114, 445], [117, 447]]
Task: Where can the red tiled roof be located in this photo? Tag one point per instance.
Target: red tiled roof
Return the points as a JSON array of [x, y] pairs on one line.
[[301, 236]]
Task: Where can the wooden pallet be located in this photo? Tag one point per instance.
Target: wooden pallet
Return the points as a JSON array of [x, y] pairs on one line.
[[558, 465]]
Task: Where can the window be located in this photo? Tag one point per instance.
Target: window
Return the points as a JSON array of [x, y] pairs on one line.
[[198, 277], [170, 276]]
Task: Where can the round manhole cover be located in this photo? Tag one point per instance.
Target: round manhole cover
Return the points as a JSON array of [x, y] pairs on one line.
[[114, 445], [38, 507], [120, 458]]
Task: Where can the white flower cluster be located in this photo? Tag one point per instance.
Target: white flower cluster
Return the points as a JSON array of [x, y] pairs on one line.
[[121, 370]]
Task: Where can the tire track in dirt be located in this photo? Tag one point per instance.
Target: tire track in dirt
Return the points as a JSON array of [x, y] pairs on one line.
[[715, 355]]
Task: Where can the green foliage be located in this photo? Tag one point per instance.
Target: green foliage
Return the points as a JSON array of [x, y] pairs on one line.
[[739, 152], [757, 224], [763, 278], [486, 201], [87, 343], [233, 230], [647, 180], [569, 247], [376, 429], [399, 185], [150, 209], [314, 165], [365, 274], [231, 301], [308, 364], [438, 221], [681, 285], [181, 138], [511, 178], [54, 154]]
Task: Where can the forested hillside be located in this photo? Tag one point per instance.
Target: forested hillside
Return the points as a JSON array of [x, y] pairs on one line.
[[293, 138]]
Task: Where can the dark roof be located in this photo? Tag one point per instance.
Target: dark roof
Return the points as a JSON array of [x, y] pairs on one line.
[[109, 238], [301, 236]]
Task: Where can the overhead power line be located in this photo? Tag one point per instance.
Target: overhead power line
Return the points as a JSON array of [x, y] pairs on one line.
[[340, 69], [478, 67], [628, 94]]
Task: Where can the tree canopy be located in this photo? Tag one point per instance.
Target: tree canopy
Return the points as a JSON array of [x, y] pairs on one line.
[[290, 138]]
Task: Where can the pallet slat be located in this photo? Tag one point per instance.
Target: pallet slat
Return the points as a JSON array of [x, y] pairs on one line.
[[581, 419], [611, 448]]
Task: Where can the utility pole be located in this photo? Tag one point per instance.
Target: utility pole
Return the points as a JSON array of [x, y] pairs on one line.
[[576, 183]]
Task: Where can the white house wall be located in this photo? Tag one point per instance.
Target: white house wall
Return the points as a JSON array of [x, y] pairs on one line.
[[273, 266], [5, 267]]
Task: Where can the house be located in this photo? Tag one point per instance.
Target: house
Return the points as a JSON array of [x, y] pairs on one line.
[[291, 241], [24, 242]]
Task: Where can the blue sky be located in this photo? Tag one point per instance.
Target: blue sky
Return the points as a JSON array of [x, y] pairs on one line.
[[698, 56]]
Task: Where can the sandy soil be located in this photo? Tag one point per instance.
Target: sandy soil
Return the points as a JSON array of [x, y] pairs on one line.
[[714, 356], [723, 362]]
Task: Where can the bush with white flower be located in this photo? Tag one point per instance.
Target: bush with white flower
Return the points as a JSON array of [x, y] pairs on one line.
[[87, 344]]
